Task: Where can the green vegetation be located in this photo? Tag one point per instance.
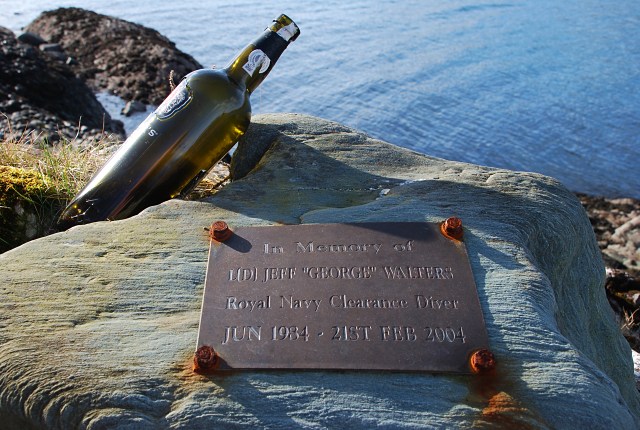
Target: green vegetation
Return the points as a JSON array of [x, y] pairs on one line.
[[64, 167], [37, 180]]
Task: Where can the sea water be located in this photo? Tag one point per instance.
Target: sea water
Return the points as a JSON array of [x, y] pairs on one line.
[[535, 85]]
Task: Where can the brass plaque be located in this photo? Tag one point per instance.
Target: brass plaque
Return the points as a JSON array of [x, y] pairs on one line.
[[374, 296]]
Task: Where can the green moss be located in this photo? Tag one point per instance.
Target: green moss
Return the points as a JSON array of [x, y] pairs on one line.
[[28, 206]]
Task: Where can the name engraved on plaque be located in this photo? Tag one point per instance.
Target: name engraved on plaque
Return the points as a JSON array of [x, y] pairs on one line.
[[389, 296]]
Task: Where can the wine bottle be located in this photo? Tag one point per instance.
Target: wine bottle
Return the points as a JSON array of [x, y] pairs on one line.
[[177, 144]]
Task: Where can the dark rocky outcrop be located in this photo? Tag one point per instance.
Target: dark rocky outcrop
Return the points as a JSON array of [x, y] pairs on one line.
[[126, 59], [38, 91]]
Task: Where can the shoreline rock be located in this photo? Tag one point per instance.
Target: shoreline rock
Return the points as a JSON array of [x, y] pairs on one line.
[[129, 60], [50, 73], [41, 96]]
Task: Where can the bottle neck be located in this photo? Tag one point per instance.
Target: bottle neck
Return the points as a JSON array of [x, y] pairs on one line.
[[253, 63]]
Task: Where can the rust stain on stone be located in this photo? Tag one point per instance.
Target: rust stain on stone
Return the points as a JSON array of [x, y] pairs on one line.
[[489, 390], [504, 412]]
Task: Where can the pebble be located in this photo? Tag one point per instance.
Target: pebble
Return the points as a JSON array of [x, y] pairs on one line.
[[132, 107], [31, 38]]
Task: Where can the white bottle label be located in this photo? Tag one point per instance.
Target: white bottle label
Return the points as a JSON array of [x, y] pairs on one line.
[[177, 100], [256, 59], [288, 31]]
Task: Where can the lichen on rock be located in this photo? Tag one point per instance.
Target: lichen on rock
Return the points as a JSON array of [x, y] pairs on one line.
[[28, 205]]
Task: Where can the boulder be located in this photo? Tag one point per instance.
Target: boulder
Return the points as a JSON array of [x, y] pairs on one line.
[[38, 91], [99, 323], [126, 59]]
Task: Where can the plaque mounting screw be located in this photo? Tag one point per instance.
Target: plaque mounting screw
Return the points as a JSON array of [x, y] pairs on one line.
[[220, 231], [482, 361], [205, 359], [452, 228]]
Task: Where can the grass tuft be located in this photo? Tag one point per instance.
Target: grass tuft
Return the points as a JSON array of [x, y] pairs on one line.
[[37, 180], [64, 167]]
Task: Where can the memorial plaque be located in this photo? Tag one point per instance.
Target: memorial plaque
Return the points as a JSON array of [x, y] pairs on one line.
[[371, 296]]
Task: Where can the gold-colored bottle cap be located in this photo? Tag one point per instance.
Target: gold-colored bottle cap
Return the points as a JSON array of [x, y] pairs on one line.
[[285, 28]]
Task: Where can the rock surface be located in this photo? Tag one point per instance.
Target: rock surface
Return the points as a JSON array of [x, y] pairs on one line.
[[38, 91], [126, 59], [99, 323]]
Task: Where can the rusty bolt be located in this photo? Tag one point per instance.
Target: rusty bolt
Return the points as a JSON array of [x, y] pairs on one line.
[[205, 359], [482, 361], [220, 231], [452, 228]]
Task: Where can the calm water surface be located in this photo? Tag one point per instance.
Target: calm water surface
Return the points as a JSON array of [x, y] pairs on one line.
[[538, 85]]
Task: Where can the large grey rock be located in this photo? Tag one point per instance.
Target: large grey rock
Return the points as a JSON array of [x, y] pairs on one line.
[[99, 323]]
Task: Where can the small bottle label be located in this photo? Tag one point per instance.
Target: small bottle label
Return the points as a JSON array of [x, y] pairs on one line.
[[177, 100], [288, 31], [256, 59]]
